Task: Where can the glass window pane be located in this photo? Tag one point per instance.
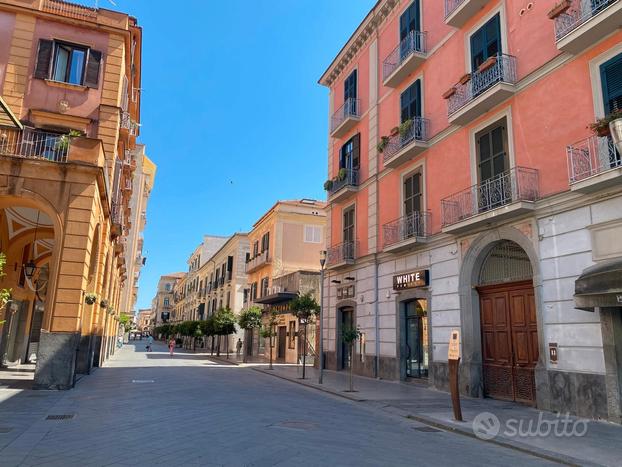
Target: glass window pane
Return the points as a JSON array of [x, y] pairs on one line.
[[497, 140], [77, 66], [60, 65], [484, 147]]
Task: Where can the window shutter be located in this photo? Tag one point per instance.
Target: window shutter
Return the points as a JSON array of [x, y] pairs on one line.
[[356, 151], [44, 59], [611, 78], [93, 63]]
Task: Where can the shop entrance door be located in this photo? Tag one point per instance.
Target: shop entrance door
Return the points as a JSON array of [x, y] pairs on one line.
[[346, 322], [282, 343], [509, 341], [416, 348]]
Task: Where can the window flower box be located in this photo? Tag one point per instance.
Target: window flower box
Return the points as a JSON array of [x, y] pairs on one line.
[[450, 92], [488, 63], [464, 79], [558, 9]]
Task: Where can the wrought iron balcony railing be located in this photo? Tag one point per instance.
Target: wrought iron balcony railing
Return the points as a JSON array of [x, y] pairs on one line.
[[342, 253], [350, 178], [34, 144], [351, 108], [412, 226], [592, 156], [517, 184], [503, 71], [579, 12], [414, 42], [116, 214], [70, 10], [451, 6], [259, 260], [418, 131]]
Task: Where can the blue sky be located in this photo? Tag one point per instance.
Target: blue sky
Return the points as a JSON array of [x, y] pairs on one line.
[[231, 113]]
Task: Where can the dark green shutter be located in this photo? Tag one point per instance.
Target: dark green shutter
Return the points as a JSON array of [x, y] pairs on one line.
[[356, 151], [43, 66], [611, 80], [93, 63]]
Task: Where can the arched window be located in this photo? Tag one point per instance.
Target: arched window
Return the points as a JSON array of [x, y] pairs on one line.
[[506, 262]]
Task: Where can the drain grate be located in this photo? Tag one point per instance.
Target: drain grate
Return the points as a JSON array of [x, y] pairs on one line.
[[66, 416], [426, 429], [5, 430]]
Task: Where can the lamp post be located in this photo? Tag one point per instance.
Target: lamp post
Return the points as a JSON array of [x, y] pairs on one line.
[[321, 352]]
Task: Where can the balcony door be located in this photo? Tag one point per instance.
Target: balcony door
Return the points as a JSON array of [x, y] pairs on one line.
[[486, 42], [412, 205], [410, 102], [349, 157], [494, 188], [410, 22], [349, 94], [348, 233], [611, 81]]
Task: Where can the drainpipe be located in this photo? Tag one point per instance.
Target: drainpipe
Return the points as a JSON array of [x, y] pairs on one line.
[[376, 312]]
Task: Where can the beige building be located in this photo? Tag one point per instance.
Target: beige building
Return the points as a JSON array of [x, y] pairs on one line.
[[162, 305], [142, 184], [222, 281], [145, 320], [70, 80], [285, 240]]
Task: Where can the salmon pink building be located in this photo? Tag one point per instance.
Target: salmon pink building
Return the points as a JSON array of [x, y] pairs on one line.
[[467, 192]]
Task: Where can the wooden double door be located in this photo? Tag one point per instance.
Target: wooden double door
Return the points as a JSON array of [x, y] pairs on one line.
[[509, 341]]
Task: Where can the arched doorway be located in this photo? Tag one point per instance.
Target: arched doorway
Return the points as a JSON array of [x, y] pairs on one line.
[[27, 241], [508, 324]]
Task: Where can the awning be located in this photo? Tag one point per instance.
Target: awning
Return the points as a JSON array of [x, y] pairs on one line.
[[599, 286], [8, 118], [276, 298]]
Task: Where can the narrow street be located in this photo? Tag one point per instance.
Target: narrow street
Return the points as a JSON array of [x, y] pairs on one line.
[[148, 409]]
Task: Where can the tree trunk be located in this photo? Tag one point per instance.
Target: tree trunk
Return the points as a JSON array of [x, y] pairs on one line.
[[245, 349], [218, 347], [212, 344], [351, 366], [227, 345], [304, 353], [270, 367]]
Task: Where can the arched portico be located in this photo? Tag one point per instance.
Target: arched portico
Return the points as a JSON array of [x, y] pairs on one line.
[[470, 313]]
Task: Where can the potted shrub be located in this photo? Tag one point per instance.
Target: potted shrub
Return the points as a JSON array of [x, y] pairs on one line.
[[559, 8], [341, 175], [464, 79], [488, 63], [103, 303], [384, 140], [601, 126], [450, 92], [328, 185], [90, 298], [405, 128]]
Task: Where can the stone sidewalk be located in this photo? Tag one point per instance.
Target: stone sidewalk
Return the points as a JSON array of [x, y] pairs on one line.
[[504, 423]]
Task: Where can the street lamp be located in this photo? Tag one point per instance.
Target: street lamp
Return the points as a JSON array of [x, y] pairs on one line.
[[321, 352]]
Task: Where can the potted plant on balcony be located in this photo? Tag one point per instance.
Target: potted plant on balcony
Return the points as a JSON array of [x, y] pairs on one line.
[[328, 185], [559, 8], [488, 63], [103, 303], [384, 140], [395, 130], [63, 142], [465, 78], [601, 127], [341, 175], [405, 127], [450, 92], [90, 298]]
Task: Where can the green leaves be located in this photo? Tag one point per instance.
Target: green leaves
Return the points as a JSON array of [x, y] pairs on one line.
[[224, 322], [5, 294], [305, 307], [350, 335], [251, 318]]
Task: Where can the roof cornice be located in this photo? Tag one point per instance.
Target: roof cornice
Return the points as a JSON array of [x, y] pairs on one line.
[[377, 15]]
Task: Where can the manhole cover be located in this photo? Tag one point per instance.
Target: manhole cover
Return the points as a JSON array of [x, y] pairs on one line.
[[426, 429], [142, 381], [295, 425], [60, 417], [5, 430]]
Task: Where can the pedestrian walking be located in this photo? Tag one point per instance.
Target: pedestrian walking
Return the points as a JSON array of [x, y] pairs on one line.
[[238, 348], [149, 343], [171, 347]]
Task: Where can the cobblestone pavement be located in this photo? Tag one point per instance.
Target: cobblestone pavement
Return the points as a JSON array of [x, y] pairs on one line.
[[150, 409]]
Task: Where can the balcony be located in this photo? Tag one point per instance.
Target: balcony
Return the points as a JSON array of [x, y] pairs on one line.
[[585, 23], [406, 232], [405, 58], [341, 255], [344, 185], [458, 12], [593, 164], [407, 144], [69, 10], [348, 115], [509, 194], [486, 89], [258, 261], [34, 144]]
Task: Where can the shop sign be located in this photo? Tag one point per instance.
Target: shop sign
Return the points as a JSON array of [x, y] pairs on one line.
[[411, 280], [345, 292], [453, 352]]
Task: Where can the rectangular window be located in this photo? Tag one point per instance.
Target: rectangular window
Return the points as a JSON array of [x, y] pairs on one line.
[[349, 157], [255, 249], [265, 242], [229, 267], [348, 225], [349, 87], [492, 153], [611, 81], [486, 42], [292, 335], [228, 299], [412, 194], [410, 102], [264, 286], [313, 234], [166, 302], [68, 63], [409, 21]]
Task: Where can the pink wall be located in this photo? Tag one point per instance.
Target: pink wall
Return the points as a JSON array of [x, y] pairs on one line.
[[42, 96], [540, 138], [7, 23]]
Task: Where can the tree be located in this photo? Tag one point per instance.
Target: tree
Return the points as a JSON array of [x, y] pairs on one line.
[[208, 329], [125, 321], [269, 331], [224, 325], [249, 320], [5, 294], [350, 336], [305, 308]]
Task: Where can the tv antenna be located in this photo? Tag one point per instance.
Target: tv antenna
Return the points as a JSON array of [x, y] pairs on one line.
[[110, 1]]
